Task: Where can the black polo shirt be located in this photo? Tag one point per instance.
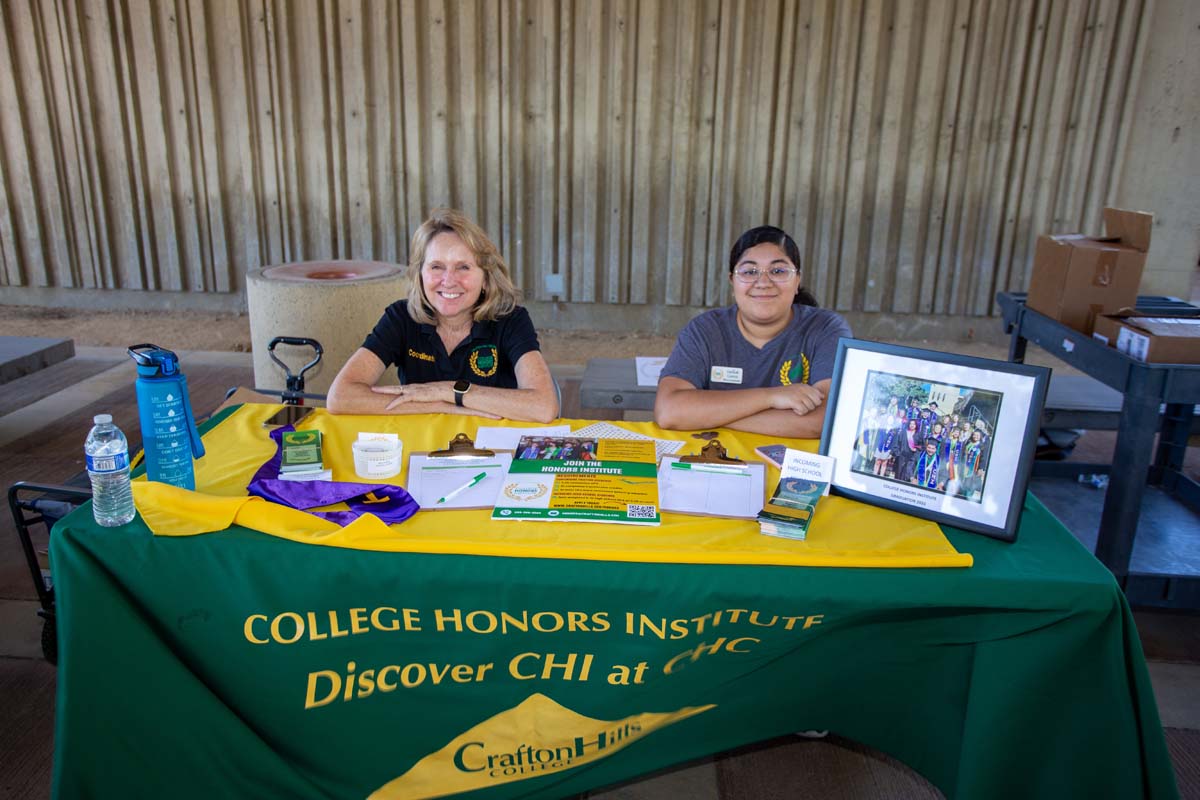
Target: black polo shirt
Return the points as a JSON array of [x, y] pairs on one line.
[[487, 357]]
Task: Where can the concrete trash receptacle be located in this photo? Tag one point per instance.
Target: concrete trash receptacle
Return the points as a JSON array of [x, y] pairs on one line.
[[335, 302]]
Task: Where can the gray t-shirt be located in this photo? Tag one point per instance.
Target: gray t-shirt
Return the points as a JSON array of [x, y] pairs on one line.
[[802, 353]]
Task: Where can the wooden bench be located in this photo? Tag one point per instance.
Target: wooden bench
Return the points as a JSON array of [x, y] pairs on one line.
[[23, 355], [1072, 401]]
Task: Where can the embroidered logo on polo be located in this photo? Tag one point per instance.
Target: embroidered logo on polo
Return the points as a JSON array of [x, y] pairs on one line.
[[484, 361], [422, 356], [537, 737], [794, 371]]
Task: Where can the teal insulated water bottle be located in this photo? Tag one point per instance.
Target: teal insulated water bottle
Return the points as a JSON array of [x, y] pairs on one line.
[[169, 435]]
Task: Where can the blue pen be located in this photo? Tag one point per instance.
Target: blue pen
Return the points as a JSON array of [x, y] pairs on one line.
[[462, 488]]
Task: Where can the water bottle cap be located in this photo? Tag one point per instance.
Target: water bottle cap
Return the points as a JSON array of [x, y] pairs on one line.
[[102, 419]]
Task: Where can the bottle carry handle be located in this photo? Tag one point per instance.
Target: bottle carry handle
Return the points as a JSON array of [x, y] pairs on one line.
[[193, 431], [144, 356]]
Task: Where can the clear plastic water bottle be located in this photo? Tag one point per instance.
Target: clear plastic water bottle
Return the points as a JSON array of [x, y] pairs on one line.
[[108, 467]]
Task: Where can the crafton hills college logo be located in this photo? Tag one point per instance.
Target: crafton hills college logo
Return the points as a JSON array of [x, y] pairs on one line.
[[537, 737]]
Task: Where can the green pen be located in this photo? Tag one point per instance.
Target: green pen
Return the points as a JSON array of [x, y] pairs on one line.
[[462, 488], [732, 469]]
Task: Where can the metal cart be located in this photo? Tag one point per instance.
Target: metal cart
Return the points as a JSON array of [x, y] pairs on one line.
[[34, 504]]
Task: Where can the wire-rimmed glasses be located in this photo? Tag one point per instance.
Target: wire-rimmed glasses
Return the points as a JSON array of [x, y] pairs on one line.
[[777, 274]]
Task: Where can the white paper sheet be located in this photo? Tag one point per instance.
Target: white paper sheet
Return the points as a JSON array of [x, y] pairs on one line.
[[496, 438], [711, 491], [802, 464], [648, 369], [433, 478]]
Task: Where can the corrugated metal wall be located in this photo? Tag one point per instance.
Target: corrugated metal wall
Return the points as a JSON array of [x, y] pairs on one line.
[[915, 149]]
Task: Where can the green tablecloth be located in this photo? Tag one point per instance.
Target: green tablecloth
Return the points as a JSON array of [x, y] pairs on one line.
[[1020, 677]]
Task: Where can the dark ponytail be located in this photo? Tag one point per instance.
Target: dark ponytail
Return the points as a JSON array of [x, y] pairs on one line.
[[769, 234], [805, 298]]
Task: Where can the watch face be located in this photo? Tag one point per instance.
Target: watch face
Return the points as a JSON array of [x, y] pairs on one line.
[[461, 386]]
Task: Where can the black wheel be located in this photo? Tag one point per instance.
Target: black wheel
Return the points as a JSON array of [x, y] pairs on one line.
[[50, 640]]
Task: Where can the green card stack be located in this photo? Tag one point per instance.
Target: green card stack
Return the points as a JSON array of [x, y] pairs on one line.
[[790, 510], [301, 458]]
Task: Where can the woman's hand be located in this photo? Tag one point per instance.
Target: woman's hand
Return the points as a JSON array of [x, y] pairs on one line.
[[433, 392], [799, 397]]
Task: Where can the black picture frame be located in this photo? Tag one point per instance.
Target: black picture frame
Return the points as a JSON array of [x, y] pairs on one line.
[[978, 483]]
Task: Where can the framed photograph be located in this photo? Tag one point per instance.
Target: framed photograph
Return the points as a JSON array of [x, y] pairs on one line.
[[946, 437]]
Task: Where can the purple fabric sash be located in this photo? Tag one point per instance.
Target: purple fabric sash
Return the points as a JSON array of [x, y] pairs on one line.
[[389, 503]]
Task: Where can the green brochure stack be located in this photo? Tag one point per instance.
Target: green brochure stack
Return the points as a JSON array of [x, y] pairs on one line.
[[301, 459], [790, 510]]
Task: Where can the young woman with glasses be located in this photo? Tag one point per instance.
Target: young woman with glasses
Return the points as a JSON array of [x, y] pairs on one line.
[[761, 365]]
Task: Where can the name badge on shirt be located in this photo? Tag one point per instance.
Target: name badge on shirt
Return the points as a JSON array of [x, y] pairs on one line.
[[725, 375]]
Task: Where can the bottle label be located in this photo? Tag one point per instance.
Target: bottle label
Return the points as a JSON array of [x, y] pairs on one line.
[[113, 463]]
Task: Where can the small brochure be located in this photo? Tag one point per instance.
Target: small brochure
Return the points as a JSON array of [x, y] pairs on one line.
[[803, 481], [301, 452], [581, 479], [606, 430]]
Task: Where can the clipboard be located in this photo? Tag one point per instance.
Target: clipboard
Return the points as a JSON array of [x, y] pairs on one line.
[[711, 484], [713, 453], [451, 471], [431, 477], [462, 446]]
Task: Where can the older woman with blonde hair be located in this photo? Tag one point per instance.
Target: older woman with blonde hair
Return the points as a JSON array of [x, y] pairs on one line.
[[459, 341]]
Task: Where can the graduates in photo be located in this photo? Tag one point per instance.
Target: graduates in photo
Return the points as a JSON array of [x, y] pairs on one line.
[[907, 452], [886, 440], [952, 460], [903, 437], [896, 432], [973, 466], [868, 432], [925, 423], [926, 472]]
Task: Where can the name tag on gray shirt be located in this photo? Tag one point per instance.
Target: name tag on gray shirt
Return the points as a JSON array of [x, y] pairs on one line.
[[711, 352]]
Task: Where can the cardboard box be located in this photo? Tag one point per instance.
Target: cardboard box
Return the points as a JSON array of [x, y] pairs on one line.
[[1157, 339], [1076, 278]]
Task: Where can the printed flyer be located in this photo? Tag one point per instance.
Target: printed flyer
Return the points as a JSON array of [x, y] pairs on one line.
[[581, 479]]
